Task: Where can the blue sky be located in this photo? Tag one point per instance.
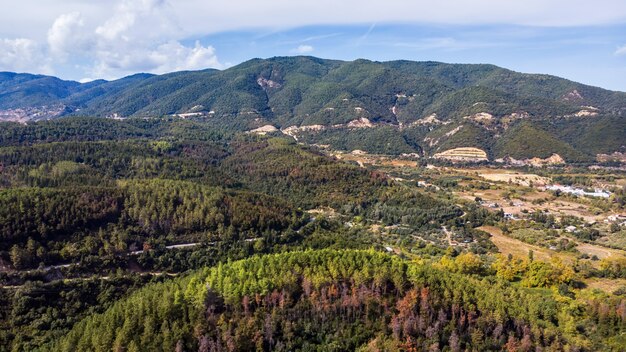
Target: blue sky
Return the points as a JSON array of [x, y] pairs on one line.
[[585, 54], [82, 40]]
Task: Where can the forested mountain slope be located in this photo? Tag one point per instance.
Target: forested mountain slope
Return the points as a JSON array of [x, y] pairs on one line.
[[412, 106], [93, 209]]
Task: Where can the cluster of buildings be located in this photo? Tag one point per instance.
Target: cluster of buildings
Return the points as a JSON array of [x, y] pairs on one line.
[[579, 191]]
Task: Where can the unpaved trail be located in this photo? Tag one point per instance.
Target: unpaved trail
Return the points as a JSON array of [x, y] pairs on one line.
[[75, 279], [448, 235]]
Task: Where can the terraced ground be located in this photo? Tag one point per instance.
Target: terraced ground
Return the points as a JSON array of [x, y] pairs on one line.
[[463, 154]]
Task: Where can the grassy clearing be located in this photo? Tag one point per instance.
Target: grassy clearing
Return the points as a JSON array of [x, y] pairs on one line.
[[507, 245]]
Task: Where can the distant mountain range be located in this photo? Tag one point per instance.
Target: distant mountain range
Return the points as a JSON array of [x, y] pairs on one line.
[[396, 107]]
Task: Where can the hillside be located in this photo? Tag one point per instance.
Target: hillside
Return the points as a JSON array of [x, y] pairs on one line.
[[409, 104], [93, 208], [335, 301], [111, 229]]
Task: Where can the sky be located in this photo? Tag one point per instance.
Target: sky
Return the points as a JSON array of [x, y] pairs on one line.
[[584, 41]]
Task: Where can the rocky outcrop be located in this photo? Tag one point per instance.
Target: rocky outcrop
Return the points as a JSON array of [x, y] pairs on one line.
[[554, 159], [428, 120], [267, 83], [573, 96], [263, 130], [586, 112], [481, 116], [360, 123], [615, 157]]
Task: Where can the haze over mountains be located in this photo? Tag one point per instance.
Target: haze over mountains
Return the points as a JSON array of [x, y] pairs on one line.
[[396, 107]]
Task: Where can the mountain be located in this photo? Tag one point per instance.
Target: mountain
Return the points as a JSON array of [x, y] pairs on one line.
[[26, 90], [414, 107]]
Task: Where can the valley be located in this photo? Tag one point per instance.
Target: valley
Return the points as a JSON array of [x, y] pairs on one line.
[[308, 204], [110, 210]]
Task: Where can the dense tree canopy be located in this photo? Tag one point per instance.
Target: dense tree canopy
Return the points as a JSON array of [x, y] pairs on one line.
[[342, 300]]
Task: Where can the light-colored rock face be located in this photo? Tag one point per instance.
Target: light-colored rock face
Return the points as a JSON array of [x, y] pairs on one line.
[[431, 141], [454, 131], [434, 141], [196, 108], [573, 96], [295, 129], [360, 123], [481, 116], [189, 114], [586, 113], [263, 130], [267, 83], [616, 156], [428, 120], [517, 115], [463, 154], [554, 159]]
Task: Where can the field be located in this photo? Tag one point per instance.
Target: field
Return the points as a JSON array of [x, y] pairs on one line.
[[507, 245], [518, 178], [606, 285], [363, 159], [520, 194], [599, 251], [530, 201]]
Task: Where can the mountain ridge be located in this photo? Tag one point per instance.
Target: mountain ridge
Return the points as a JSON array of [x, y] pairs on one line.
[[428, 99], [450, 75]]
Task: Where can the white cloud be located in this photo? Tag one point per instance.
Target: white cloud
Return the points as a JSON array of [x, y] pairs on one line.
[[216, 16], [303, 49], [621, 50], [139, 35], [166, 57], [116, 37], [67, 36], [136, 20], [205, 17], [142, 35], [22, 54]]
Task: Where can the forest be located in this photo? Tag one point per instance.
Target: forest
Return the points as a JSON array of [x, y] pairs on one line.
[[173, 234], [338, 300]]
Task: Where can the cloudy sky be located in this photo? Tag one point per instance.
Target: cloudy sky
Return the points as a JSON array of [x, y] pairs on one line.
[[581, 40]]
